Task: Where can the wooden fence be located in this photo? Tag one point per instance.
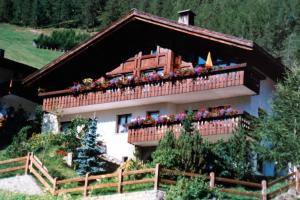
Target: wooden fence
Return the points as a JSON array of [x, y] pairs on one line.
[[158, 177], [16, 161]]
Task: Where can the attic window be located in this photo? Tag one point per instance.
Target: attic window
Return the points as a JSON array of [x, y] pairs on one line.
[[128, 75], [153, 52], [159, 71]]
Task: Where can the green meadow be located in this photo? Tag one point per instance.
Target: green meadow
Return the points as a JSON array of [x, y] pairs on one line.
[[18, 45]]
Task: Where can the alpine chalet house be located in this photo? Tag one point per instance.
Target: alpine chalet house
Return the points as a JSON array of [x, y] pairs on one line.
[[12, 93], [140, 75]]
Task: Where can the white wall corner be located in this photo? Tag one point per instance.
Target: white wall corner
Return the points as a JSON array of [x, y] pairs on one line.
[[50, 123]]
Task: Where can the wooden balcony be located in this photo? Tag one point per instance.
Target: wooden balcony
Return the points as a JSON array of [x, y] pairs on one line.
[[211, 129], [220, 83]]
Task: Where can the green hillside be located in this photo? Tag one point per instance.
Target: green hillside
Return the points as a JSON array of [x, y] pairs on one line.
[[17, 42]]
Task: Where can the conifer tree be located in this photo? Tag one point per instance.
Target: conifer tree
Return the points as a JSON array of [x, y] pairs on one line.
[[192, 149], [279, 133], [166, 153], [188, 153], [232, 158], [88, 154]]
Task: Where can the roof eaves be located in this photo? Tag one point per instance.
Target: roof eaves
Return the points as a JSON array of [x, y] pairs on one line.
[[77, 49], [142, 16]]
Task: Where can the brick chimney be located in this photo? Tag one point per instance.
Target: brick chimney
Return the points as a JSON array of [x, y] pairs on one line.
[[186, 17]]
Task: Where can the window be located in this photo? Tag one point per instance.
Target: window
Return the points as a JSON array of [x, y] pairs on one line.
[[153, 52], [159, 71], [123, 120], [64, 126], [153, 114], [128, 75]]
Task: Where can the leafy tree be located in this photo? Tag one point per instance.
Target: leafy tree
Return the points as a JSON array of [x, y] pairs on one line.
[[87, 159], [278, 134], [72, 134]]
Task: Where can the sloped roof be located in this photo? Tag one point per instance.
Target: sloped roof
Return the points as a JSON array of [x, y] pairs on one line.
[[134, 15]]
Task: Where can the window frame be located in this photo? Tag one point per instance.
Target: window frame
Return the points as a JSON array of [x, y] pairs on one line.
[[127, 120], [148, 113]]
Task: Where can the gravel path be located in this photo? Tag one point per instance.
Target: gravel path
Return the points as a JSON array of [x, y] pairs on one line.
[[22, 184]]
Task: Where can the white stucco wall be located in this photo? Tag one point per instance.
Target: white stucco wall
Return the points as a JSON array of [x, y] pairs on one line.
[[249, 104], [116, 143], [50, 123]]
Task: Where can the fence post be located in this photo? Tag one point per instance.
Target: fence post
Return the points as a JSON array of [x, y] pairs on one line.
[[54, 186], [264, 194], [211, 180], [120, 180], [86, 183], [297, 179], [156, 180], [27, 163], [30, 161]]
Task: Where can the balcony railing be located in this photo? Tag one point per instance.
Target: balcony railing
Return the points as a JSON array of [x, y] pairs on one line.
[[208, 127], [220, 78]]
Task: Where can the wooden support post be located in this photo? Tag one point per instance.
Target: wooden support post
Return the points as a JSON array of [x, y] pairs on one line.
[[27, 163], [156, 180], [211, 180], [120, 180], [264, 194], [86, 183], [297, 179], [30, 158], [54, 186]]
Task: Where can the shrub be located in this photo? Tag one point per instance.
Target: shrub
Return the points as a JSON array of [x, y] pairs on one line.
[[72, 135], [19, 146], [188, 153], [194, 189], [166, 153], [131, 165], [40, 141], [232, 158], [15, 120], [65, 39]]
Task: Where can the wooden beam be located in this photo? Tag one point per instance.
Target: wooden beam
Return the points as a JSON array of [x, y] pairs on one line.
[[12, 169]]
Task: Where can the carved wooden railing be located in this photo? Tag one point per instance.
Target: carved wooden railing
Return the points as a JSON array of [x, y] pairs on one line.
[[220, 78], [206, 127]]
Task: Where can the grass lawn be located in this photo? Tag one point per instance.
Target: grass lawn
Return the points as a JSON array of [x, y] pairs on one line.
[[17, 43], [55, 164]]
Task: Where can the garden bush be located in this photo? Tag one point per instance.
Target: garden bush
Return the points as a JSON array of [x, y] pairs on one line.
[[187, 153], [41, 141], [19, 146], [72, 134], [233, 157], [193, 189], [191, 153]]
